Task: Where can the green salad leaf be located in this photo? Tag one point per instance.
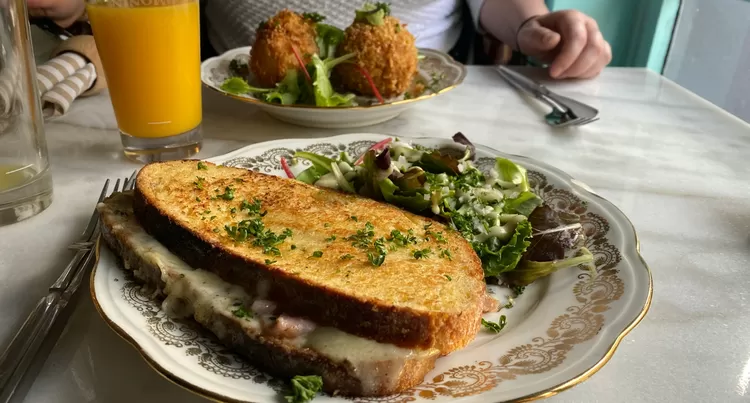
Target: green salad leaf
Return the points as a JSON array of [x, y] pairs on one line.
[[322, 88], [328, 38], [505, 258], [287, 92], [510, 172], [412, 201], [373, 13], [524, 204], [321, 163], [238, 86], [309, 175], [529, 271], [304, 388]]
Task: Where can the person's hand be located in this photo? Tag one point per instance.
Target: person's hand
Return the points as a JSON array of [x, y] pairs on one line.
[[569, 40], [62, 12]]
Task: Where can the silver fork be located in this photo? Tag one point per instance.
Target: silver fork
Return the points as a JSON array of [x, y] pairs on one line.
[[23, 349], [565, 111]]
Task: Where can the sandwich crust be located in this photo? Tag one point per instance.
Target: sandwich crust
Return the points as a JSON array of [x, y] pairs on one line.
[[428, 302], [276, 355]]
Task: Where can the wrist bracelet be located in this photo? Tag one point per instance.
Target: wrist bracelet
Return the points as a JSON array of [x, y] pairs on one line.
[[518, 45]]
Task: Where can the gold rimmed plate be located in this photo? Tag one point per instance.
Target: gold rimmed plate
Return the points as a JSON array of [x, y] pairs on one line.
[[559, 332], [437, 71]]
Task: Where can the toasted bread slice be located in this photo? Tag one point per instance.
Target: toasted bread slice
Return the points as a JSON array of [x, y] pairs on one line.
[[428, 292], [281, 344]]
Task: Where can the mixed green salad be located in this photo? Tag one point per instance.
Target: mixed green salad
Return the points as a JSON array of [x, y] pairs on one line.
[[517, 237]]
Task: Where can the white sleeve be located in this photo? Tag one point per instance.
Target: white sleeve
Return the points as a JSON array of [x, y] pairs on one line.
[[476, 6]]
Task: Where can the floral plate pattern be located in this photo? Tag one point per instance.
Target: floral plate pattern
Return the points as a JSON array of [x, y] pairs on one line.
[[437, 70], [560, 331]]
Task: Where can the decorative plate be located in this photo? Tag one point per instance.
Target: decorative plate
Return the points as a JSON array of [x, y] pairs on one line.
[[437, 70], [559, 332]]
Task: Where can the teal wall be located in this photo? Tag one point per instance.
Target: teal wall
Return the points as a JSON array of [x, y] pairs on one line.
[[638, 30]]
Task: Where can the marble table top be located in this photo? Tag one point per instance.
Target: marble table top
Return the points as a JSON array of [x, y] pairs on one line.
[[674, 163]]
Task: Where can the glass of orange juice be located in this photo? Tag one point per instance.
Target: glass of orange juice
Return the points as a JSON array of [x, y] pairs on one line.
[[150, 50]]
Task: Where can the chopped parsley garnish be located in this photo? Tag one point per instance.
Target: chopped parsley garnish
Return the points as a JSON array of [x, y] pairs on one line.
[[241, 312], [233, 210], [252, 208], [287, 233], [269, 261], [363, 237], [494, 327], [212, 217], [326, 225], [202, 166], [239, 180], [304, 388], [377, 258], [317, 253], [421, 253], [346, 257], [354, 218], [427, 226], [509, 304], [216, 230], [199, 182], [437, 235], [402, 240], [448, 277], [206, 211], [331, 238], [197, 199], [263, 237], [518, 289], [446, 253], [228, 193], [293, 247]]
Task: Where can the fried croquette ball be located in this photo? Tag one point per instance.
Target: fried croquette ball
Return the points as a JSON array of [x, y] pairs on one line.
[[272, 53], [387, 52]]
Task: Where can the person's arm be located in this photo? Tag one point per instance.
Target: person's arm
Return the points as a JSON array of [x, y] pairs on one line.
[[503, 18], [568, 40]]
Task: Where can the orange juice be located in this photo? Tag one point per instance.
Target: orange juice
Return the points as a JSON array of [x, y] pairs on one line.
[[151, 58]]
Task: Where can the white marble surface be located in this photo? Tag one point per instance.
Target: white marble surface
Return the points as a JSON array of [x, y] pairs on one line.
[[675, 164]]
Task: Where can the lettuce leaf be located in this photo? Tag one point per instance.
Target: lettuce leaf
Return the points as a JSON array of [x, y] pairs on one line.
[[309, 175], [498, 259], [322, 88], [321, 163], [328, 38], [287, 92], [412, 201], [529, 271], [524, 204], [510, 172], [238, 86], [373, 13]]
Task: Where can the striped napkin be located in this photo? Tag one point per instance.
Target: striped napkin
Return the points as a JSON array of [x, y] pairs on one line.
[[61, 80]]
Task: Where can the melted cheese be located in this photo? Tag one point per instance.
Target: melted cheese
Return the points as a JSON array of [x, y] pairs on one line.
[[204, 295]]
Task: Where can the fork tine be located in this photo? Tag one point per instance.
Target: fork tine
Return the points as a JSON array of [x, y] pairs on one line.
[[586, 121], [95, 217], [117, 186], [130, 182]]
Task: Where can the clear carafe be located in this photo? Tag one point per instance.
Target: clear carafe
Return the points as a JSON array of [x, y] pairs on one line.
[[25, 181]]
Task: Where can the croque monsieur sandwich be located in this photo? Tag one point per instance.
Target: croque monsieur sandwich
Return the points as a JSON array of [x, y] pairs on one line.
[[300, 280]]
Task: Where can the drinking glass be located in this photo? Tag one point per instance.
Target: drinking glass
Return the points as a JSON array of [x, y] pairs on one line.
[[25, 181], [150, 50]]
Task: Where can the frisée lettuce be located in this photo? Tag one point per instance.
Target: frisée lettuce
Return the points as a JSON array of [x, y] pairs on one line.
[[490, 210]]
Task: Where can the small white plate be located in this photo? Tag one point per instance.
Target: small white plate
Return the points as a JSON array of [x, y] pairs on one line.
[[436, 64], [560, 331]]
